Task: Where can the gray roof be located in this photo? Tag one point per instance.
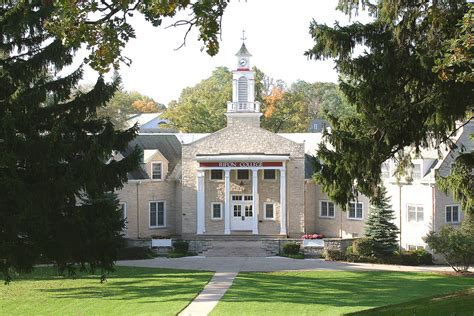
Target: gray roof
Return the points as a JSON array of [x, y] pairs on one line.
[[168, 145], [243, 51]]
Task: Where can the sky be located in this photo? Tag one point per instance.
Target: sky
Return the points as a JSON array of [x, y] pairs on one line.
[[277, 33]]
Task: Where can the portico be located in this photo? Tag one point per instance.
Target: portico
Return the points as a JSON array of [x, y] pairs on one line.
[[241, 209]]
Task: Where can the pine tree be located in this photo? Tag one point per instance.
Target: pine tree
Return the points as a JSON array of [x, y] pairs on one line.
[[56, 176], [380, 229]]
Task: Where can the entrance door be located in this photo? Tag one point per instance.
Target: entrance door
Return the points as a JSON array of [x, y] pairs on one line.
[[242, 212]]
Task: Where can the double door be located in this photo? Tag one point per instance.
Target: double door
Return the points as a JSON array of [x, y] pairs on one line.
[[242, 212]]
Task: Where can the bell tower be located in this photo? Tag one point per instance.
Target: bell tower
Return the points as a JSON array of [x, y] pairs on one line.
[[243, 109]]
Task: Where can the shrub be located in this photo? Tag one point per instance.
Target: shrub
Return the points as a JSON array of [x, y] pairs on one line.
[[181, 246], [349, 250], [455, 245], [362, 247], [335, 255], [135, 253], [291, 248]]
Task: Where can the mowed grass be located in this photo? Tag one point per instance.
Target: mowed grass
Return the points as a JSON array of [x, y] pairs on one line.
[[128, 291], [330, 292], [460, 303]]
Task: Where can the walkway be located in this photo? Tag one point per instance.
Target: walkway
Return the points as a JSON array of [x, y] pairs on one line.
[[236, 264]]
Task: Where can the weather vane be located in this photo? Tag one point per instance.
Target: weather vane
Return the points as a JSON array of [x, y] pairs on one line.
[[243, 36]]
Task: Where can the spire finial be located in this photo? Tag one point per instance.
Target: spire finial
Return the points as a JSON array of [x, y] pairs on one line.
[[243, 38]]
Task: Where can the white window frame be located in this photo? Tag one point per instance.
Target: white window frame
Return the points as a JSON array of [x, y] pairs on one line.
[[446, 211], [269, 180], [216, 180], [237, 175], [124, 213], [416, 206], [355, 218], [151, 170], [413, 171], [388, 173], [212, 210], [265, 211], [321, 209], [164, 214]]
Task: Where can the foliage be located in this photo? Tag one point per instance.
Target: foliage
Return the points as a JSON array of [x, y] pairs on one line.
[[129, 291], [334, 255], [380, 228], [460, 183], [400, 100], [135, 253], [105, 29], [313, 236], [456, 245], [362, 247], [181, 246], [55, 170], [291, 248], [412, 258], [201, 108]]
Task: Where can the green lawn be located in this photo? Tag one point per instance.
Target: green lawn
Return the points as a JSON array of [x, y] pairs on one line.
[[330, 292], [128, 291], [460, 303]]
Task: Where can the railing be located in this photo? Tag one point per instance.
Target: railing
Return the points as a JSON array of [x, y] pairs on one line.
[[243, 107]]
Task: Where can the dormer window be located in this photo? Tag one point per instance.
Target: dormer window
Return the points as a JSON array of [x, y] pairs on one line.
[[157, 171], [385, 170], [416, 172]]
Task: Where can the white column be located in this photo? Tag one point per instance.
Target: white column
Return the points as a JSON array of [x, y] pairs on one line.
[[282, 201], [227, 202], [200, 203], [255, 201]]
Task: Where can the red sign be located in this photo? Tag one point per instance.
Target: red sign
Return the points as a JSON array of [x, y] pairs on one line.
[[242, 164]]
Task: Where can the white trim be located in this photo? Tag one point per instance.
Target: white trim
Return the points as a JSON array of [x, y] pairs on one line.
[[216, 180], [155, 162], [269, 180], [334, 208], [265, 211], [221, 210], [255, 201], [244, 179], [164, 214], [356, 218], [241, 158], [227, 202], [201, 216], [416, 212], [459, 213], [283, 201]]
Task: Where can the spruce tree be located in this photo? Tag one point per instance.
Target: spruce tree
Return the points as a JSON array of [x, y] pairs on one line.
[[380, 229], [57, 177]]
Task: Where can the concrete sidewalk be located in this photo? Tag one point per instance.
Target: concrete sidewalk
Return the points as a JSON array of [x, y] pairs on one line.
[[236, 264]]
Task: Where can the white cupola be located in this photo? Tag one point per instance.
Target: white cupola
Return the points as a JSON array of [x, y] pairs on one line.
[[243, 103]]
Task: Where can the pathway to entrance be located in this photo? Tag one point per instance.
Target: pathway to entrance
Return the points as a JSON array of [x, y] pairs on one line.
[[227, 269]]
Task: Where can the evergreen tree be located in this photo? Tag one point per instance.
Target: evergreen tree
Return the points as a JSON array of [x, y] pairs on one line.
[[380, 229], [56, 175]]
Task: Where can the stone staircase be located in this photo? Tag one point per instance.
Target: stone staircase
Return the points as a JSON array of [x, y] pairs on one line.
[[236, 248]]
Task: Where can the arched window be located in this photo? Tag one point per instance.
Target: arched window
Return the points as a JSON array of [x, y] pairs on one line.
[[242, 89]]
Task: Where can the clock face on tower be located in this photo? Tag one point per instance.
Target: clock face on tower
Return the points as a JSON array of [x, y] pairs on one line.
[[242, 62]]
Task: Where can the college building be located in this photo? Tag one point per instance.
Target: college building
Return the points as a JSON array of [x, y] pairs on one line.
[[244, 180]]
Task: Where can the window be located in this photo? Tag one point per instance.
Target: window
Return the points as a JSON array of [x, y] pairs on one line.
[[242, 91], [414, 247], [237, 197], [269, 210], [217, 174], [157, 214], [355, 210], [415, 213], [416, 173], [156, 170], [123, 209], [216, 210], [315, 126], [269, 174], [326, 209], [243, 174], [452, 213], [385, 170]]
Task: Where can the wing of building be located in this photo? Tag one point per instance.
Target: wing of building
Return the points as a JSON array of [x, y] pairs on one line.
[[246, 181]]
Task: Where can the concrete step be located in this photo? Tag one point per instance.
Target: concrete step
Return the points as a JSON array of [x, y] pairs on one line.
[[237, 248]]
